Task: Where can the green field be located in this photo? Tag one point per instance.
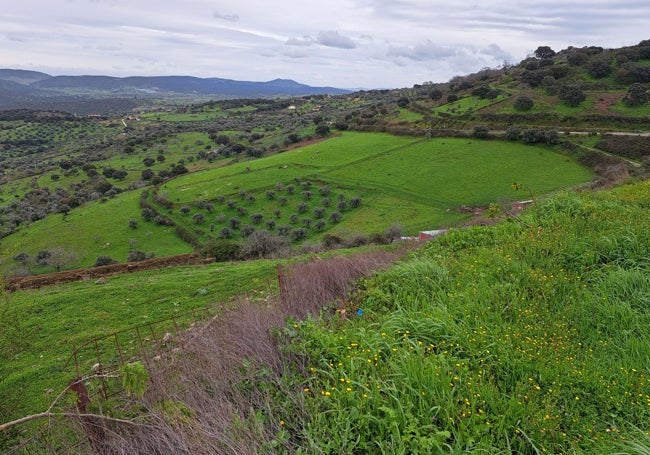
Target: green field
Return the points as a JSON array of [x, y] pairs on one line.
[[39, 328], [96, 229], [423, 181]]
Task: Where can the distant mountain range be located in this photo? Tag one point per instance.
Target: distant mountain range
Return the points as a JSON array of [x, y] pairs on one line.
[[100, 94]]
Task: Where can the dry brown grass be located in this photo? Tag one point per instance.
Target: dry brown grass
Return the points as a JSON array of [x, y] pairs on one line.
[[205, 398]]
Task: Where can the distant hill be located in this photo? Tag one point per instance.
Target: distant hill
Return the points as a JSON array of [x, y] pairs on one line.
[[81, 94]]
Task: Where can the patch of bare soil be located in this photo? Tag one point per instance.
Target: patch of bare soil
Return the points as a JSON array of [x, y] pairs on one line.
[[606, 100], [37, 281]]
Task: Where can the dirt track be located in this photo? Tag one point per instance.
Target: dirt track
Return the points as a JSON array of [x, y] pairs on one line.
[[37, 281]]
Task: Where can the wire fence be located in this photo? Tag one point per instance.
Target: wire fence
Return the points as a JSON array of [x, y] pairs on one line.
[[94, 381]]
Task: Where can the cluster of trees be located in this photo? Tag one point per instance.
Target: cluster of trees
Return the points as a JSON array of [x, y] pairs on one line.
[[56, 257], [532, 135]]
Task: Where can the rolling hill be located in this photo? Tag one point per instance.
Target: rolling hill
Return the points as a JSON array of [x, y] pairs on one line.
[[30, 89]]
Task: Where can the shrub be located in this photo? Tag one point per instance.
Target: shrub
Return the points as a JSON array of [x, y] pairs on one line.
[[104, 260], [572, 95], [247, 230], [299, 234], [221, 249], [636, 95], [23, 258], [599, 69], [335, 217], [234, 222], [42, 257], [262, 244], [523, 103], [133, 224], [137, 256], [147, 214], [513, 133], [284, 230], [319, 212], [226, 233], [394, 232]]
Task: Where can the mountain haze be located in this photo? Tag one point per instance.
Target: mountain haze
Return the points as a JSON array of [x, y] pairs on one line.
[[30, 89]]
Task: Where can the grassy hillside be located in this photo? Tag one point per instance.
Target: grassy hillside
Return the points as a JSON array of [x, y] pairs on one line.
[[39, 328], [527, 337], [371, 180], [97, 229], [422, 181]]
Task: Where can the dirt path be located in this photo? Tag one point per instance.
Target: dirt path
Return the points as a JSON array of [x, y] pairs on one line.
[[68, 276]]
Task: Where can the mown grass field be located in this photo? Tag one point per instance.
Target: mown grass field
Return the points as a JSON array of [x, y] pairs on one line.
[[526, 337], [40, 327]]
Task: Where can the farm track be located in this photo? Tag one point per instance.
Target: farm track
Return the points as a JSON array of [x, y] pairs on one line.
[[90, 273]]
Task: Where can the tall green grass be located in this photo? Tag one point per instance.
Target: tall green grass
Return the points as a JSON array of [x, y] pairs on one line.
[[531, 336]]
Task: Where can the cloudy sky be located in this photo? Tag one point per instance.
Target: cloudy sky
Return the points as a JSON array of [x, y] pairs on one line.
[[340, 43]]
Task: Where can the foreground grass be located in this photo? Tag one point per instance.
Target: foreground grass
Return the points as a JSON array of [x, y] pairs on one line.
[[528, 337], [40, 327]]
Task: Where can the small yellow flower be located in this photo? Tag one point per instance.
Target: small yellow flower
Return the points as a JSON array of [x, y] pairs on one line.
[[281, 422]]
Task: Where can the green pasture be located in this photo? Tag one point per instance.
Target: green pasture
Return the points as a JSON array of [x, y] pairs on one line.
[[468, 104], [433, 177], [280, 168], [40, 327], [96, 229], [632, 111], [185, 116], [405, 115], [451, 172]]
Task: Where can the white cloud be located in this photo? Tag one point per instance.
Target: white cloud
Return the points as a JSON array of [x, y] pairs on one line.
[[226, 17], [335, 39], [345, 43]]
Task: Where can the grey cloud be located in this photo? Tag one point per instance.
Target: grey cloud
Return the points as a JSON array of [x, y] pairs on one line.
[[427, 50], [226, 17], [16, 37], [304, 41], [335, 39], [493, 50]]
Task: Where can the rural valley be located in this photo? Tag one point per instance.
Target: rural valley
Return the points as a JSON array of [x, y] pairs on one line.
[[202, 266]]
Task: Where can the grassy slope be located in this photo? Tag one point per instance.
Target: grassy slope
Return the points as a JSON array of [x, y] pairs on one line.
[[527, 337], [39, 328], [401, 180], [97, 229], [419, 179]]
